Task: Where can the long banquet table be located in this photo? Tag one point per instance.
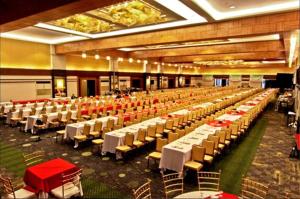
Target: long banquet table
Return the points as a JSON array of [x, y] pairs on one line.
[[176, 153]]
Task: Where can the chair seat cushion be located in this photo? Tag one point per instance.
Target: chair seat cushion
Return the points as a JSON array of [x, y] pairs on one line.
[[167, 131], [149, 139], [98, 141], [158, 135], [208, 158], [94, 133], [80, 137], [61, 132], [234, 137], [227, 142], [221, 146], [193, 165], [22, 193], [15, 119], [155, 155], [123, 148], [69, 190], [138, 143]]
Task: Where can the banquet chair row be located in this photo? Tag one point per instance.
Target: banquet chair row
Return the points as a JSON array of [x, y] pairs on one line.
[[207, 181]]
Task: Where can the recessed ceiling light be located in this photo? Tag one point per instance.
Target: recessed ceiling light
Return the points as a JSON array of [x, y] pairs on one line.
[[97, 56], [107, 57], [83, 55], [130, 60], [138, 61], [232, 7]]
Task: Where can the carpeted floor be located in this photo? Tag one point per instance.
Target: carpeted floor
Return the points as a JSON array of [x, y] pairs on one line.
[[104, 177]]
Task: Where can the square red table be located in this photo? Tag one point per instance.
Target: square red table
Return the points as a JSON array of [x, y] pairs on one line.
[[48, 175]]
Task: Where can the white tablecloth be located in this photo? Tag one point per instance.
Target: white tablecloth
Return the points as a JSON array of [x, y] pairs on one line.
[[26, 112], [199, 195], [176, 153], [117, 137], [76, 128], [51, 116]]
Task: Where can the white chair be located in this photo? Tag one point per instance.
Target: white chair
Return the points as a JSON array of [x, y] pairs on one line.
[[71, 186], [11, 192]]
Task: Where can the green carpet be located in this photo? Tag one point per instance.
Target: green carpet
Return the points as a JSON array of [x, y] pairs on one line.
[[11, 158], [236, 163]]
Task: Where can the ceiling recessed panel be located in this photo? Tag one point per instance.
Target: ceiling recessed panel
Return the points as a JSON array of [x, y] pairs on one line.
[[225, 9], [128, 14]]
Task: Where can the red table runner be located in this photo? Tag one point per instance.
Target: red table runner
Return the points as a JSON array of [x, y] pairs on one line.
[[46, 176], [236, 112], [217, 123]]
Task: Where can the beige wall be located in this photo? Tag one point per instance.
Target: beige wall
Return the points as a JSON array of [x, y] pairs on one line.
[[126, 66], [23, 54], [23, 87], [74, 62]]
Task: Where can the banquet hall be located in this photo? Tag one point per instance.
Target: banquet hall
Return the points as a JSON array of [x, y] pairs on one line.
[[141, 99]]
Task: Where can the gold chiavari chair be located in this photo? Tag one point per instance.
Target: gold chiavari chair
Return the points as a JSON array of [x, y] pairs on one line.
[[84, 134], [70, 186], [173, 184], [209, 150], [33, 158], [172, 137], [209, 181], [143, 192], [15, 190], [253, 190]]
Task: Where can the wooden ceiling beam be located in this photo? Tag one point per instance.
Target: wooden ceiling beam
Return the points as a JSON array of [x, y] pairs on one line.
[[250, 26], [49, 11], [223, 57], [260, 46]]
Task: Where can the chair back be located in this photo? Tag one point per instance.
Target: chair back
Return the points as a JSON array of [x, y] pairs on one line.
[[34, 158], [68, 116], [143, 192], [160, 142], [173, 184], [151, 131], [7, 186], [20, 115], [98, 126], [159, 128], [110, 123], [45, 119], [54, 109], [198, 153], [141, 135], [222, 136], [86, 129], [129, 138], [169, 124], [215, 139], [71, 180], [254, 190], [59, 116], [180, 132], [172, 137], [209, 147], [209, 181]]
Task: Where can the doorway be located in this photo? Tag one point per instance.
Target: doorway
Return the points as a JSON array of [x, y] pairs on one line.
[[87, 87], [221, 82], [171, 83]]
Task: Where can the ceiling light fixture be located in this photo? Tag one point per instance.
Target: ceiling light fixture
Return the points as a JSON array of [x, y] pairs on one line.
[[83, 55], [130, 60], [232, 7], [120, 59], [145, 62], [138, 61], [108, 58], [97, 56]]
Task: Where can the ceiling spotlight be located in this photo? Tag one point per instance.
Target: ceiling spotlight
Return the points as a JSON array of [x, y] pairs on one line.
[[120, 59], [83, 55], [155, 62], [232, 7], [107, 57], [163, 63], [138, 61], [130, 60], [169, 64], [97, 56], [145, 62], [176, 65]]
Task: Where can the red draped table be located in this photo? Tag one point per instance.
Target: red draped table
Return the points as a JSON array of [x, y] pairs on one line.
[[297, 138], [206, 195], [48, 175]]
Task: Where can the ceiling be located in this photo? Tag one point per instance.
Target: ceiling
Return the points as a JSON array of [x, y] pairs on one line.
[[231, 32]]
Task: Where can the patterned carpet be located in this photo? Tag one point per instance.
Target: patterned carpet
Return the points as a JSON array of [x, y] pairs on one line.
[[104, 177]]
